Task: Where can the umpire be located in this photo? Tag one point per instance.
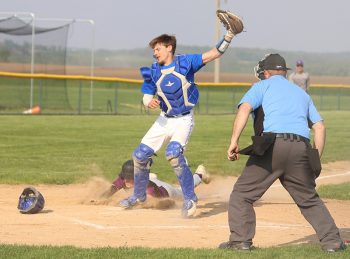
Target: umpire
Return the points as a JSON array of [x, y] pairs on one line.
[[281, 149]]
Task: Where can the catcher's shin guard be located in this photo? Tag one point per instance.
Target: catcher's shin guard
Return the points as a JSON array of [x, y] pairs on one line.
[[184, 175], [142, 163]]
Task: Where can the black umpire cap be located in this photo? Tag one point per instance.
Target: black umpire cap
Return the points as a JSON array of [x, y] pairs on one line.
[[274, 62], [270, 62]]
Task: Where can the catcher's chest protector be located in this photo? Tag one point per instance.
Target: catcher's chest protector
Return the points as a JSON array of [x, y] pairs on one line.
[[177, 94]]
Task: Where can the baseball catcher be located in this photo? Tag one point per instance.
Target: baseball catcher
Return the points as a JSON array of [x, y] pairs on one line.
[[169, 84], [31, 201]]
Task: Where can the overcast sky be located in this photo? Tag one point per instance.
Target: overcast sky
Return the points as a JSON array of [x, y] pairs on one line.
[[298, 25]]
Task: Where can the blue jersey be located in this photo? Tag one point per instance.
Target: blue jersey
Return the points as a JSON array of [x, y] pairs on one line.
[[286, 106], [174, 83]]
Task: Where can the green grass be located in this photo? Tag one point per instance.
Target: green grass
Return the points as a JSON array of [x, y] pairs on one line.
[[300, 251], [68, 149], [335, 191]]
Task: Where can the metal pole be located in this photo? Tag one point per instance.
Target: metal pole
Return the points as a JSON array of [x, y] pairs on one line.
[[116, 98], [41, 93], [92, 64], [80, 96], [217, 38], [207, 101], [32, 61]]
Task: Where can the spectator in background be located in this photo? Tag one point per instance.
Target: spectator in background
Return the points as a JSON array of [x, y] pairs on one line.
[[300, 77]]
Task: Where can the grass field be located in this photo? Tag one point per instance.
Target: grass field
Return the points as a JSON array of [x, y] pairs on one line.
[[68, 149], [335, 191], [305, 251]]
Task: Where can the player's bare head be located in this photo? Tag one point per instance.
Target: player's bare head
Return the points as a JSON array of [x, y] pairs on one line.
[[166, 40], [127, 171]]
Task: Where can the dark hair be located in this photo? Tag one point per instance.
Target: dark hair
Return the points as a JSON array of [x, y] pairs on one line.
[[166, 40], [127, 171]]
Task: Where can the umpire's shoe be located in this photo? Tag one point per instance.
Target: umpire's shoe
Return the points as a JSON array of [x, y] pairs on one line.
[[340, 248], [132, 201], [237, 245], [189, 208]]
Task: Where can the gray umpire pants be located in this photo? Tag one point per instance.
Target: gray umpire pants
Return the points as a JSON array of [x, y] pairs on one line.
[[288, 162]]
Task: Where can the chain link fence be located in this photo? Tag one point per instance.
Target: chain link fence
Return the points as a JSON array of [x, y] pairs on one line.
[[85, 95]]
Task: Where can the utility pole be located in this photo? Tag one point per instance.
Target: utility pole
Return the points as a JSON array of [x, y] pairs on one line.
[[217, 38]]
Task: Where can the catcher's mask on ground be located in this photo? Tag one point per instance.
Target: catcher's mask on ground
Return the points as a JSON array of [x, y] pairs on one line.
[[30, 201], [270, 62]]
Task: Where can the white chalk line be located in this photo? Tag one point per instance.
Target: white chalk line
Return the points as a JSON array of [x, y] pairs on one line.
[[109, 227], [319, 178], [335, 175], [280, 185]]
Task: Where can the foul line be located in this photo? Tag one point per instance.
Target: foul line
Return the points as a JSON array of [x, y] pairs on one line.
[[107, 227], [330, 176], [319, 178]]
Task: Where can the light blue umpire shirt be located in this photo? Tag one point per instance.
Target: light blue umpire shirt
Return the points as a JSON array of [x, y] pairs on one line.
[[286, 106]]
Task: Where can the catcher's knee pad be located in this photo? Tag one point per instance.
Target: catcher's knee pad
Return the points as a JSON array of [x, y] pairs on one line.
[[142, 163], [142, 156], [31, 201], [173, 153]]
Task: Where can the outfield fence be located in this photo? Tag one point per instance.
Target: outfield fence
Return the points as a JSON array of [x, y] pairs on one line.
[[58, 94]]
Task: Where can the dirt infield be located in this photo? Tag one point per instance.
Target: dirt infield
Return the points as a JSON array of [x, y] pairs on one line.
[[74, 215]]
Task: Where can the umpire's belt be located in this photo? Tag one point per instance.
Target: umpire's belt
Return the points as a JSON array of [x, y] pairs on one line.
[[177, 115], [292, 137]]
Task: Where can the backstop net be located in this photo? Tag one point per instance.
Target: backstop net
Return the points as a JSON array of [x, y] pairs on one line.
[[26, 47]]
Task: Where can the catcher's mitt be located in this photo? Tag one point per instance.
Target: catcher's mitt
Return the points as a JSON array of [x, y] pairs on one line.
[[231, 21], [31, 201]]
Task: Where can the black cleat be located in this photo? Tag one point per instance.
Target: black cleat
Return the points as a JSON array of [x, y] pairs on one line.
[[340, 248], [236, 245]]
